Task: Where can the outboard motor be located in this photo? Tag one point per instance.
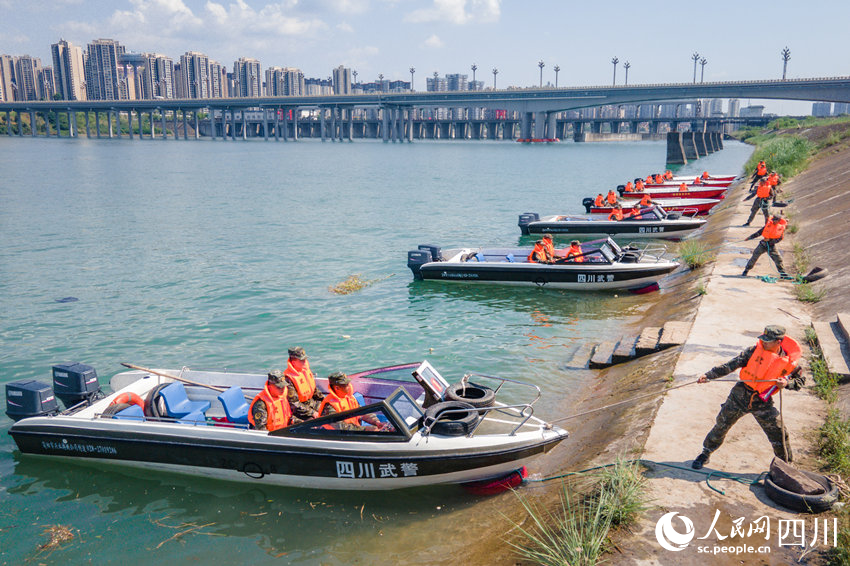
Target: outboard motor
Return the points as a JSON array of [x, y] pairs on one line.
[[587, 202], [525, 219], [416, 259], [621, 189], [29, 398], [75, 382], [433, 250]]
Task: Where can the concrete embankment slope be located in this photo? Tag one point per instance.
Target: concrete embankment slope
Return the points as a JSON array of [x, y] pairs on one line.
[[730, 317]]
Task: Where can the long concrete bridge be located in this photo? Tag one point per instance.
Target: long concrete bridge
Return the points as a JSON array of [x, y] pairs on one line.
[[536, 109]]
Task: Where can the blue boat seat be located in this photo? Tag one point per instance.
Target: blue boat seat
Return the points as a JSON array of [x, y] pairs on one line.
[[510, 258], [480, 257], [177, 403], [362, 401], [235, 405], [193, 418], [131, 413]]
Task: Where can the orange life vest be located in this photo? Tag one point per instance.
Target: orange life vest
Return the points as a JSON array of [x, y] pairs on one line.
[[573, 254], [649, 180], [346, 403], [764, 367], [616, 214], [599, 200], [612, 197], [302, 380], [645, 201], [764, 190], [629, 187], [668, 174], [659, 179], [639, 185], [705, 175], [278, 410], [549, 247], [683, 187], [773, 179], [697, 181], [761, 170], [774, 230], [538, 254]]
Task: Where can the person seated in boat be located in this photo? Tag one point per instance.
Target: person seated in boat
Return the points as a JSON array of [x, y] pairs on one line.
[[539, 254], [599, 201], [659, 179], [645, 201], [341, 398], [549, 245], [683, 186], [270, 408], [650, 179], [697, 181], [629, 188], [574, 253], [617, 213], [639, 185], [668, 175], [705, 175], [304, 396], [611, 198]]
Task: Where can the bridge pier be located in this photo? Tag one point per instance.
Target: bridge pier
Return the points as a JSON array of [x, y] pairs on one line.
[[689, 145], [719, 139], [709, 142], [675, 149], [699, 142]]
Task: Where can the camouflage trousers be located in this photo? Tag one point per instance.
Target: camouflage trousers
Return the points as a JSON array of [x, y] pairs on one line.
[[759, 204], [772, 252], [740, 402]]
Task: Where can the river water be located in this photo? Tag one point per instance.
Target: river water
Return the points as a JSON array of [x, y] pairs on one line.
[[221, 255]]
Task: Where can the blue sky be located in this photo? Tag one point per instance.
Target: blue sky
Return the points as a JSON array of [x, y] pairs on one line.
[[740, 40]]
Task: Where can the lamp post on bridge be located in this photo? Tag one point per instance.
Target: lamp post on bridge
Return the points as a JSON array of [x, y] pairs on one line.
[[615, 60], [412, 70], [702, 63], [495, 72], [541, 64], [354, 74], [474, 68], [695, 57], [381, 82], [786, 55], [627, 66], [557, 70]]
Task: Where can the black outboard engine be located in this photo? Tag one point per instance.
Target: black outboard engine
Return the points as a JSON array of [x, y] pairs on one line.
[[75, 382], [416, 259], [435, 251], [525, 219], [587, 202], [621, 189], [29, 398]]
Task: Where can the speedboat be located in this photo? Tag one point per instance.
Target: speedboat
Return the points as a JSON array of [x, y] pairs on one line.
[[687, 178], [691, 183], [674, 191], [195, 422], [651, 222], [696, 206], [603, 265]]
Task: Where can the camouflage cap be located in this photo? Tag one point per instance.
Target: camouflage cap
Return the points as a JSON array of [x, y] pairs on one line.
[[338, 378], [298, 353], [276, 377], [772, 333], [547, 236]]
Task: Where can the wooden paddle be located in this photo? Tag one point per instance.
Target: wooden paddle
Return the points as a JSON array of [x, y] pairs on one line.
[[174, 377]]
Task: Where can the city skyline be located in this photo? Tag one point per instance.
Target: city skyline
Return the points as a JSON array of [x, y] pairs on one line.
[[388, 37]]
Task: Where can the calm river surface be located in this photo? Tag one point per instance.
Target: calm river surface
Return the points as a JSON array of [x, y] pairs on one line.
[[221, 255]]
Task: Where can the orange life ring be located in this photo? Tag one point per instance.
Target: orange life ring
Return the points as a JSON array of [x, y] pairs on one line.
[[130, 399]]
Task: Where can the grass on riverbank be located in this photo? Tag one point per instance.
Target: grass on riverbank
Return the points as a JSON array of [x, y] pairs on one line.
[[694, 253], [576, 533], [787, 155]]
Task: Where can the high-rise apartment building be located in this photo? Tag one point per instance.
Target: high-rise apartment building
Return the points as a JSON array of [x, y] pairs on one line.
[[46, 83], [69, 70], [158, 76], [294, 83], [193, 80], [734, 108], [457, 82], [218, 80], [315, 87], [247, 78], [7, 78], [436, 84], [342, 80], [27, 77], [102, 69]]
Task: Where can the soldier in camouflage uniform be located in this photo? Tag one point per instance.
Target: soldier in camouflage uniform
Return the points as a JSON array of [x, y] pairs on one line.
[[743, 399], [259, 410]]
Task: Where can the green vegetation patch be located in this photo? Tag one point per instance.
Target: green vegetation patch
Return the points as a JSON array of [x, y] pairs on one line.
[[786, 154], [694, 253]]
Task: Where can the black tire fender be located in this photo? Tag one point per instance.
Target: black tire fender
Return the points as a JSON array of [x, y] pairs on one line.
[[804, 503], [452, 424], [472, 394], [152, 402], [114, 408]]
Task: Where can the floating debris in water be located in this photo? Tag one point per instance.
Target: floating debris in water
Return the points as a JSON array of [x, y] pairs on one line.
[[67, 300], [58, 535], [354, 283]]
